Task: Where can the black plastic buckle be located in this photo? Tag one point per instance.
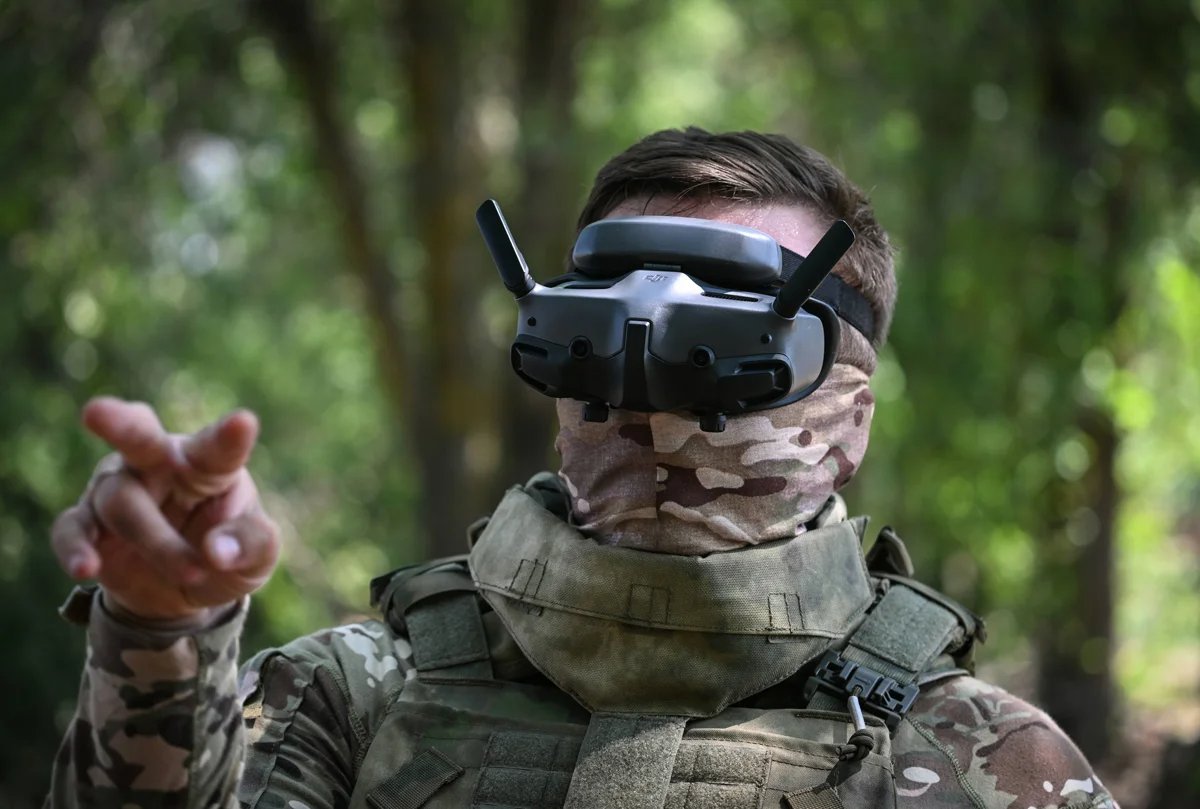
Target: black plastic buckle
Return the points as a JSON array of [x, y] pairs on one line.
[[878, 694]]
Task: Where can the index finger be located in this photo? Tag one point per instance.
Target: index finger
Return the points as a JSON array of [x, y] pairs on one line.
[[131, 428]]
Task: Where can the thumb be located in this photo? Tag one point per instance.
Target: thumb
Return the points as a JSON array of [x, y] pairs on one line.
[[247, 545]]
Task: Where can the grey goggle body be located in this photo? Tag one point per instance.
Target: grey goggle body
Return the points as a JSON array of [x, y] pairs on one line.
[[673, 314]]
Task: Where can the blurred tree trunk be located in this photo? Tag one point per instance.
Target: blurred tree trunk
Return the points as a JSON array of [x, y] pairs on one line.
[[1178, 784], [312, 58], [426, 382], [1077, 88], [431, 379], [435, 53], [543, 214], [47, 51], [1075, 680]]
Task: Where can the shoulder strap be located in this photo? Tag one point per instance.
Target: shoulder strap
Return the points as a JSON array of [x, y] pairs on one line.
[[435, 605], [909, 627]]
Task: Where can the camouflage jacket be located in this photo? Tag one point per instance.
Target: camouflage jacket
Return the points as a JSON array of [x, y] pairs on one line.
[[164, 720]]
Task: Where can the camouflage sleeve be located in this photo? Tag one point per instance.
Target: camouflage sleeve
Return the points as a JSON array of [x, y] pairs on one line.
[[162, 722], [148, 699], [311, 709], [970, 744]]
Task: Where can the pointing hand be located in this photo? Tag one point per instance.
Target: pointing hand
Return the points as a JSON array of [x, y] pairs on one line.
[[171, 525]]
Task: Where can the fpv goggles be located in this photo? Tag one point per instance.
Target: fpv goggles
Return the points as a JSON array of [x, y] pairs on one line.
[[669, 313]]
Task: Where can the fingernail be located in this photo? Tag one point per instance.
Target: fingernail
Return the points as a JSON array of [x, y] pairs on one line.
[[225, 549], [193, 574]]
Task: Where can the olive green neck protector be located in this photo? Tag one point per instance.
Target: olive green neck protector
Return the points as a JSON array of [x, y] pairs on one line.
[[632, 632]]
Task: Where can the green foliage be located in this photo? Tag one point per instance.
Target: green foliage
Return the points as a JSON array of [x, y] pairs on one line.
[[166, 234]]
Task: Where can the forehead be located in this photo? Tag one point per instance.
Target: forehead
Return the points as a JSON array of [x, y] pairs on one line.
[[793, 226]]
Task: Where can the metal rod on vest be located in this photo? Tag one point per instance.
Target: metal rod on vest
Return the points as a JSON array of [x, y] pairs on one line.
[[856, 712], [860, 742]]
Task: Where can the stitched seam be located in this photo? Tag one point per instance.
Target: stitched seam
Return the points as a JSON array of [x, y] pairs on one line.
[[253, 802], [624, 618], [291, 725], [361, 738], [966, 786], [501, 590], [454, 660], [519, 768]]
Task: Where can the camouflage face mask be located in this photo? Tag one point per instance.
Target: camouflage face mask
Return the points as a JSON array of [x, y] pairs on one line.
[[656, 482]]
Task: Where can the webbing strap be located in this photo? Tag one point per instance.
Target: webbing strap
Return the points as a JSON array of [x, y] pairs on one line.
[[625, 762], [902, 635], [850, 304], [900, 638], [414, 783], [447, 636], [384, 588], [822, 796]]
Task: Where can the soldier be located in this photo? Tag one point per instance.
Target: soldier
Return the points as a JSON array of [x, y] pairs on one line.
[[681, 617]]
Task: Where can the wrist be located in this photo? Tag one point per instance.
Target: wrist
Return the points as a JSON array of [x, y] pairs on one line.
[[192, 621]]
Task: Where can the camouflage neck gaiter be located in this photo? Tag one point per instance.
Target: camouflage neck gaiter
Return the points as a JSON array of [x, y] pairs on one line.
[[656, 482]]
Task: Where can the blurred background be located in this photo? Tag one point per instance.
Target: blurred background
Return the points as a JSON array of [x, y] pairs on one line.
[[269, 204]]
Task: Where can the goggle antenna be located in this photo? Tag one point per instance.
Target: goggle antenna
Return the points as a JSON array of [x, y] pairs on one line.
[[812, 271], [514, 272]]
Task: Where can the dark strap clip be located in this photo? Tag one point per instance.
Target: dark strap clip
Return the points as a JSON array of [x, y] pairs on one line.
[[878, 694]]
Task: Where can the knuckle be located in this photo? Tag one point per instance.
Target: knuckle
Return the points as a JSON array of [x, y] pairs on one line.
[[117, 503], [109, 491], [138, 441]]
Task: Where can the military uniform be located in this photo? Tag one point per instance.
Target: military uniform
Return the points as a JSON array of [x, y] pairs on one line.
[[553, 671]]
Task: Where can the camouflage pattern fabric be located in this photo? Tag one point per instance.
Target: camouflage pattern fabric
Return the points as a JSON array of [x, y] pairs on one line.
[[165, 722], [161, 724], [148, 702], [968, 743], [656, 482]]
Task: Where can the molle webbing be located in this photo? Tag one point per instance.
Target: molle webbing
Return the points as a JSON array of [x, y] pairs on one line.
[[414, 783], [901, 636], [437, 606], [447, 637], [823, 796], [625, 761], [526, 769]]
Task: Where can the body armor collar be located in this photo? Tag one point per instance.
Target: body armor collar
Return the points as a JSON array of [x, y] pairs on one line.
[[628, 631]]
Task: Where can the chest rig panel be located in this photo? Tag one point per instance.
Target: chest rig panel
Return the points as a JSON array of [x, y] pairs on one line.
[[555, 672]]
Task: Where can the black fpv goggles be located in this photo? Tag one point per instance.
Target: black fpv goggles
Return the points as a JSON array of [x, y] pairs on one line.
[[664, 313]]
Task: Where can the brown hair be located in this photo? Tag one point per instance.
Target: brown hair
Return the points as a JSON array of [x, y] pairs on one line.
[[753, 167]]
